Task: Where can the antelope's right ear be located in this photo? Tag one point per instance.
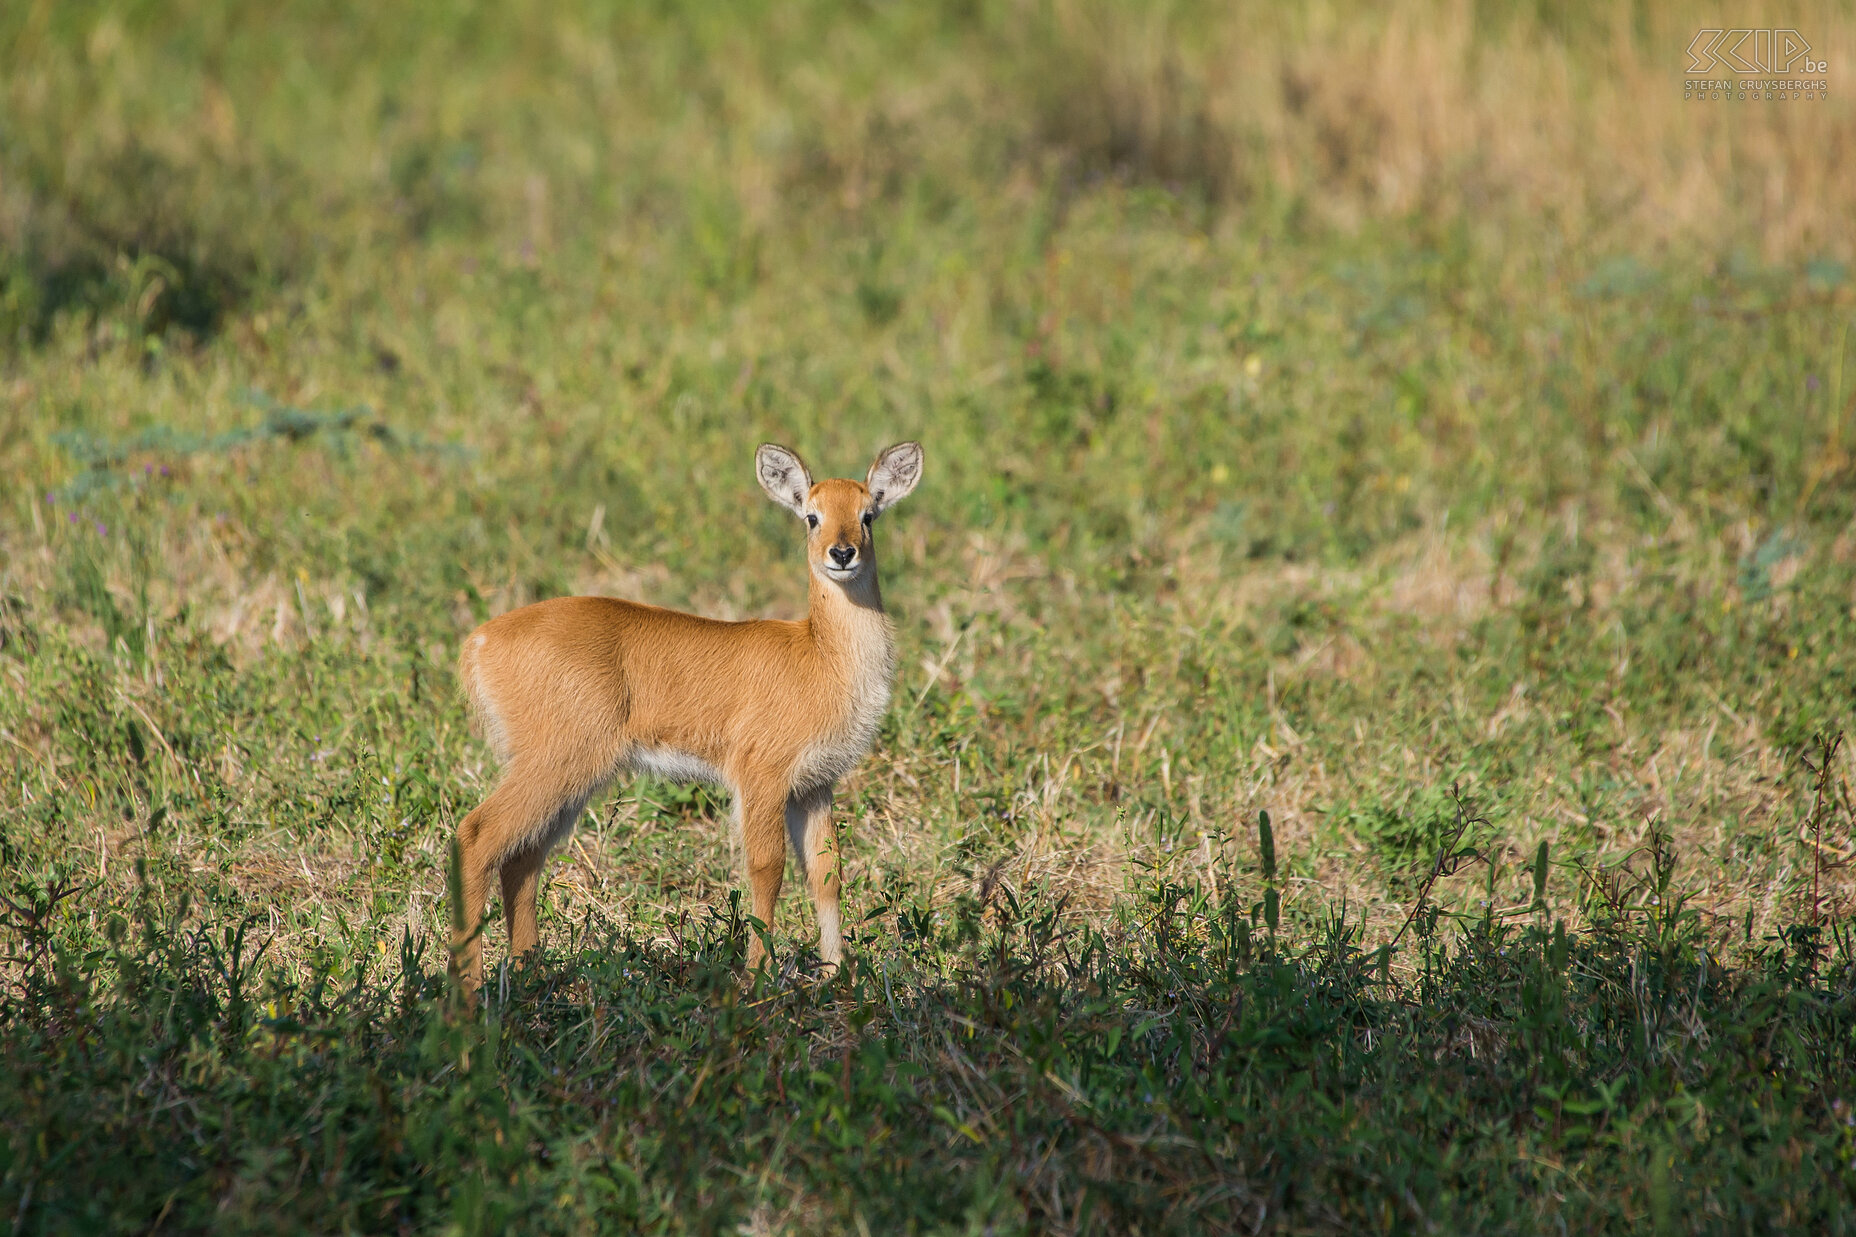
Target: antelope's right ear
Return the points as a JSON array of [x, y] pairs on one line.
[[783, 475]]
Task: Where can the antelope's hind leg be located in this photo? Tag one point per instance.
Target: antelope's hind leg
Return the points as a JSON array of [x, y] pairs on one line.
[[508, 835], [522, 879], [808, 826]]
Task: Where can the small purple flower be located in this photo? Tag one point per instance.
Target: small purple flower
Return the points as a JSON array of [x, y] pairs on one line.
[[102, 528], [73, 517], [1810, 382], [51, 498], [148, 470], [164, 470]]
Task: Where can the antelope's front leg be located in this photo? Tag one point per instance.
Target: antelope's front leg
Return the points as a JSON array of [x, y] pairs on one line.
[[763, 843], [808, 826]]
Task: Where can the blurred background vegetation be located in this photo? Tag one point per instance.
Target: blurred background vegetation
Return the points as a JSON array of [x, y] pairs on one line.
[[1323, 405]]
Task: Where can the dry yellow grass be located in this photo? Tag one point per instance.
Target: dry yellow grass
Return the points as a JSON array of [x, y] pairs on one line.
[[1457, 111]]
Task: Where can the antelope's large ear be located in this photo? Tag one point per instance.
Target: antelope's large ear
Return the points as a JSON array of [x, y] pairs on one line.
[[894, 474], [783, 475]]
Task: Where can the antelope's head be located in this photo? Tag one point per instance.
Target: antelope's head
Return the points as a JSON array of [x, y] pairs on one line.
[[838, 512]]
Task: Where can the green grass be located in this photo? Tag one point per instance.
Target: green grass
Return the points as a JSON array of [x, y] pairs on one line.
[[1252, 485], [983, 1069]]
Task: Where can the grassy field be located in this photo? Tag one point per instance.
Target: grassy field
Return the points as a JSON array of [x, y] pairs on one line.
[[1417, 424]]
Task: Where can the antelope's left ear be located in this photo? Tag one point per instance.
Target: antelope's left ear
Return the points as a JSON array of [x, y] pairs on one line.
[[894, 474]]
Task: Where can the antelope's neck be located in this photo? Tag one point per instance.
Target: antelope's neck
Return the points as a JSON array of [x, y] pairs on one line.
[[854, 638]]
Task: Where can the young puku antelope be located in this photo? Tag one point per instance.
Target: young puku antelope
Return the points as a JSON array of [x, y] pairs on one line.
[[573, 691]]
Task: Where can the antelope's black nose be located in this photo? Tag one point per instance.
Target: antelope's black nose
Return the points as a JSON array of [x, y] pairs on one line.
[[844, 555]]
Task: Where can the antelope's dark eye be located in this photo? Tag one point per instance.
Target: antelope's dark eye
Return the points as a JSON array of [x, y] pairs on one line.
[[811, 520], [868, 516]]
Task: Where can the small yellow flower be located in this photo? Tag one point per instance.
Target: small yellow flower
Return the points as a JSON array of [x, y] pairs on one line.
[[1220, 474], [1253, 365]]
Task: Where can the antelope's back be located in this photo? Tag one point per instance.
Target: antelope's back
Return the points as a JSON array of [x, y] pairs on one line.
[[592, 673]]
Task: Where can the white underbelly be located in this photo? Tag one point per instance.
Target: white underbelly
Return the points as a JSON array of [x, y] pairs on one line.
[[672, 764], [824, 763]]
